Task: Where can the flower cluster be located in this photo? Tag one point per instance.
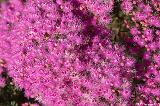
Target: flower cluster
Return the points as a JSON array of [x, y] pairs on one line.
[[144, 24], [100, 8], [58, 55], [60, 51]]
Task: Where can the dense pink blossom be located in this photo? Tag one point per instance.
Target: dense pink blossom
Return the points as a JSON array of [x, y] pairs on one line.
[[127, 6], [61, 53], [59, 58], [146, 23], [100, 8], [145, 33]]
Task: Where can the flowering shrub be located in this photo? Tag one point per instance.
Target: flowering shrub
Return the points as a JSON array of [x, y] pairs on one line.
[[60, 51]]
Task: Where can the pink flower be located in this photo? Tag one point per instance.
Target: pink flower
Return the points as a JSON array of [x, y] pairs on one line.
[[127, 6]]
